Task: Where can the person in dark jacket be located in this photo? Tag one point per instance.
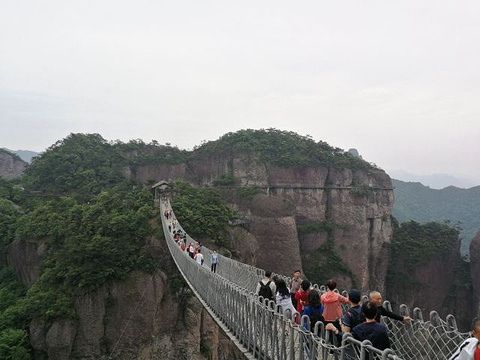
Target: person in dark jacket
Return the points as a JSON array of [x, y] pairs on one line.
[[351, 318], [376, 298], [371, 330]]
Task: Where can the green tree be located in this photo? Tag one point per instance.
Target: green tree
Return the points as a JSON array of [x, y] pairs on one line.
[[202, 212]]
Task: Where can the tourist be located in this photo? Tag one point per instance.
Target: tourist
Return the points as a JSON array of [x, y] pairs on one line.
[[332, 304], [376, 298], [283, 298], [313, 309], [191, 250], [301, 296], [371, 330], [295, 285], [199, 257], [214, 261], [352, 316], [470, 348], [266, 288]]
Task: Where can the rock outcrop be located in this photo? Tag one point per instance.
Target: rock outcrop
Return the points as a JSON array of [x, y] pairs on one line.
[[141, 318], [357, 202], [11, 166], [26, 257], [438, 283], [474, 271]]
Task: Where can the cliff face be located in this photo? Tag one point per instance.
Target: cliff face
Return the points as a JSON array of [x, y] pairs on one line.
[[357, 202], [474, 271], [438, 283], [140, 318], [26, 258], [137, 319], [11, 166]]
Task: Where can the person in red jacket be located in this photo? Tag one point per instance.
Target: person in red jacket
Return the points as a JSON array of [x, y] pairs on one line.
[[301, 296], [332, 304]]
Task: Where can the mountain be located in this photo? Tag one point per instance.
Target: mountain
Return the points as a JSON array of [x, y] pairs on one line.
[[11, 165], [415, 201], [434, 181], [80, 240], [25, 155], [79, 232]]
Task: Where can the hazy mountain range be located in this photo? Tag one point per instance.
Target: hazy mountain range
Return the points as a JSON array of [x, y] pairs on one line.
[[414, 201], [25, 155], [434, 181]]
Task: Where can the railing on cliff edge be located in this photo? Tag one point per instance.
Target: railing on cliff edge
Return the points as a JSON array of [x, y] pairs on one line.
[[262, 330]]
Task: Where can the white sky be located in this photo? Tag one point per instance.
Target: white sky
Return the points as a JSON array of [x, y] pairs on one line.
[[398, 80]]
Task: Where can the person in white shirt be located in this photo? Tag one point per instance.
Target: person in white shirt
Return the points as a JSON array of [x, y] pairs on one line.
[[470, 348], [199, 257], [284, 299]]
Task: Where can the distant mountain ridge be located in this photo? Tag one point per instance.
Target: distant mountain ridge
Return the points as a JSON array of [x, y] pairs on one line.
[[435, 181], [415, 201], [25, 155]]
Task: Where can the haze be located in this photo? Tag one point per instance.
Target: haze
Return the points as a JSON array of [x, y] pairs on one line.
[[399, 81]]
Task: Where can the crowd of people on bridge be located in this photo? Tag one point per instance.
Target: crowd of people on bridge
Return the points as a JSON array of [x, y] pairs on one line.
[[362, 320], [194, 248]]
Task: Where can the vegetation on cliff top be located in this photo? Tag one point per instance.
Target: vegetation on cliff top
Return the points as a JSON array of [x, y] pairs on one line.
[[282, 148], [414, 244]]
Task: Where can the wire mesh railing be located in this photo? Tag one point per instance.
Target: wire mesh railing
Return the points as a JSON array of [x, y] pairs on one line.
[[265, 332]]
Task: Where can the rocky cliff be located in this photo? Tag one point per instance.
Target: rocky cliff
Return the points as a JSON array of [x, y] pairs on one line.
[[357, 203], [428, 271], [11, 166], [474, 271], [145, 317]]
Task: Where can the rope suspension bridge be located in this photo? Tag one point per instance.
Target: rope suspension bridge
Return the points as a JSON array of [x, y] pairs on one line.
[[261, 329]]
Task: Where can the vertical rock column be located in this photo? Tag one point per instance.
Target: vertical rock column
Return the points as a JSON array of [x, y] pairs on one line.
[[474, 271]]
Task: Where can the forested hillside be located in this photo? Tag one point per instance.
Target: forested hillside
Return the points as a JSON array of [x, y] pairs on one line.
[[90, 220], [414, 201]]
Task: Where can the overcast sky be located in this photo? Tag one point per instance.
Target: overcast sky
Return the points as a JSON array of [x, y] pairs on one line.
[[398, 80]]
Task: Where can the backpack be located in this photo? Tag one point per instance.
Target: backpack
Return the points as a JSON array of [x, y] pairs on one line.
[[355, 317], [265, 290]]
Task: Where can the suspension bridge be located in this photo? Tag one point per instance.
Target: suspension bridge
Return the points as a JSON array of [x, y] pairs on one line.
[[262, 330]]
